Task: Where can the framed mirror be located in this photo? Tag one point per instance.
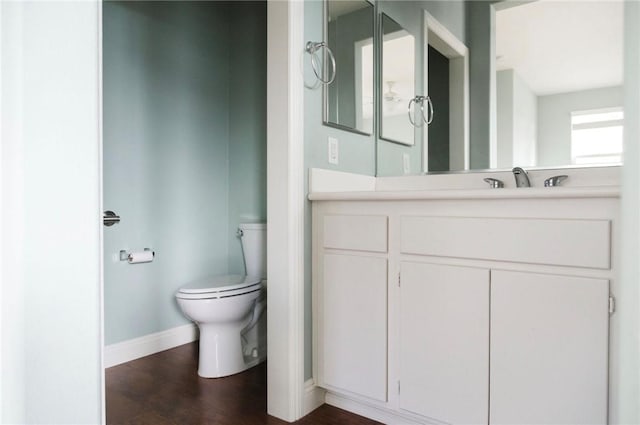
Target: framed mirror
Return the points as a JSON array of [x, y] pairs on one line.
[[397, 82], [348, 101]]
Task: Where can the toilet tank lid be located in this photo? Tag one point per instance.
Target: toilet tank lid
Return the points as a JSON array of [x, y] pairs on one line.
[[219, 283]]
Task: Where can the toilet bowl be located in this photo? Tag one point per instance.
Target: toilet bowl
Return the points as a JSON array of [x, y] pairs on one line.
[[230, 311]]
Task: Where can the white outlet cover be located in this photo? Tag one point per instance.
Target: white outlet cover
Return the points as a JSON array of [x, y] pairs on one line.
[[332, 144], [406, 163]]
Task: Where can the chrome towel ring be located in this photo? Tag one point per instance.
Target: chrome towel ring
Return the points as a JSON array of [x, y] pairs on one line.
[[420, 100], [312, 48]]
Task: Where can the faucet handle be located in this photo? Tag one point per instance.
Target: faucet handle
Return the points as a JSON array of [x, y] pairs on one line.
[[555, 180], [494, 183]]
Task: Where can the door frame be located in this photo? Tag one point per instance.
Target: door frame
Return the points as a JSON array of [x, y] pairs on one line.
[[285, 209]]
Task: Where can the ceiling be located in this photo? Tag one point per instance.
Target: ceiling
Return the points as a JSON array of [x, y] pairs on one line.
[[562, 46]]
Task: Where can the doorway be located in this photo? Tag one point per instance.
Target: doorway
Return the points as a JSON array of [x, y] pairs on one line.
[[184, 158]]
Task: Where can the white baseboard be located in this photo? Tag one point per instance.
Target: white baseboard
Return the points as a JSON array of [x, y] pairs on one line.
[[386, 416], [313, 397], [132, 349]]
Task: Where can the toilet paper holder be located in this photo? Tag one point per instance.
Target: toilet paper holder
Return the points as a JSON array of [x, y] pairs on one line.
[[126, 255]]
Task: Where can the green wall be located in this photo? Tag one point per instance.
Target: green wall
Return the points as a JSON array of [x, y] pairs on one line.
[[247, 122], [184, 147]]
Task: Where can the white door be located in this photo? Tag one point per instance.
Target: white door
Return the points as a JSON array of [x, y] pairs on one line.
[[444, 348], [549, 342], [354, 325]]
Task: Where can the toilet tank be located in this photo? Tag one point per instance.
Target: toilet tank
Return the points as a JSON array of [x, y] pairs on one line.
[[254, 248]]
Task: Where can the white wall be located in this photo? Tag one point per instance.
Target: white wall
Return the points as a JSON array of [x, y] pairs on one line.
[[554, 120], [51, 223]]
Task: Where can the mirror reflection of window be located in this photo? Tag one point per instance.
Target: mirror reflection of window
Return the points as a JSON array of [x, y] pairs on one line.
[[554, 58], [397, 82], [596, 136], [349, 99]]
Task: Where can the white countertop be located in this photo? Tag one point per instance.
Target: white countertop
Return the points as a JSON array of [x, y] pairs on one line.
[[452, 194]]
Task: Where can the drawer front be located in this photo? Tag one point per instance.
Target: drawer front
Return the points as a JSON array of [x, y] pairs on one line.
[[573, 243], [356, 232]]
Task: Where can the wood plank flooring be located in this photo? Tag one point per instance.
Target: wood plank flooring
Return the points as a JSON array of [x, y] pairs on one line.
[[164, 389]]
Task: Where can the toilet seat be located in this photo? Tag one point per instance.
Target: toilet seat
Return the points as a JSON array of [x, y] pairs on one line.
[[225, 286]]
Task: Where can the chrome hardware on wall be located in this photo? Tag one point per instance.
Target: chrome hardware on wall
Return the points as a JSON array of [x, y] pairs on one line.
[[110, 218], [494, 183], [312, 48], [420, 100], [555, 180]]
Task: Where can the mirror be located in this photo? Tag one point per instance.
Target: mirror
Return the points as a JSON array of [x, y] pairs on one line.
[[509, 116], [559, 92], [349, 33], [397, 80]]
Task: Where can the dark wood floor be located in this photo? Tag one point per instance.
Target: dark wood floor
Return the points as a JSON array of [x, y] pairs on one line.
[[165, 389]]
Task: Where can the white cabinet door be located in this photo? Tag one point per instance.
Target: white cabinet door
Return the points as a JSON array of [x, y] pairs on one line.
[[353, 333], [444, 348], [549, 339]]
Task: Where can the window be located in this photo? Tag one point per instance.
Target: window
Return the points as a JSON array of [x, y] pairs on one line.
[[596, 136]]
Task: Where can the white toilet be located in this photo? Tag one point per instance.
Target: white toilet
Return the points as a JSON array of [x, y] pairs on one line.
[[230, 311]]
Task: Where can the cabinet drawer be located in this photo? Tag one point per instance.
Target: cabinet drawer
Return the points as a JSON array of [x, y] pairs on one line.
[[573, 243], [356, 232]]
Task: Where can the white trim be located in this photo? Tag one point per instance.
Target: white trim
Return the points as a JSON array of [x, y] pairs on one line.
[[624, 405], [13, 365], [2, 203], [313, 397], [321, 180], [103, 383], [285, 209], [132, 349], [438, 36], [1, 214]]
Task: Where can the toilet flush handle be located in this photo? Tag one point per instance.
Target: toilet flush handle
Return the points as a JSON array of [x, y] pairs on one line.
[[239, 233]]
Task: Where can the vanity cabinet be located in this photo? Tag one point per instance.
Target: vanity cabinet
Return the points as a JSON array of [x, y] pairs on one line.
[[424, 313]]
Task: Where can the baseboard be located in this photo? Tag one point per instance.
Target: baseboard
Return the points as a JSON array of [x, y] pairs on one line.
[[132, 349], [313, 397], [386, 416]]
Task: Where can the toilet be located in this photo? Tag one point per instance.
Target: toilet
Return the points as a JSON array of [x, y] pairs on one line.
[[230, 310]]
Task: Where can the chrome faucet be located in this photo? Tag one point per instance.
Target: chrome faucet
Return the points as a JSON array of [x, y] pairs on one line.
[[522, 178]]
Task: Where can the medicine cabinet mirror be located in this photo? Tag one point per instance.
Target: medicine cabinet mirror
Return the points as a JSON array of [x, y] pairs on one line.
[[544, 82], [397, 82], [349, 26]]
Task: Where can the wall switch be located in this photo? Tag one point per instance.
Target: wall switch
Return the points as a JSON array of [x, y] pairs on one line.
[[333, 150], [406, 163]]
